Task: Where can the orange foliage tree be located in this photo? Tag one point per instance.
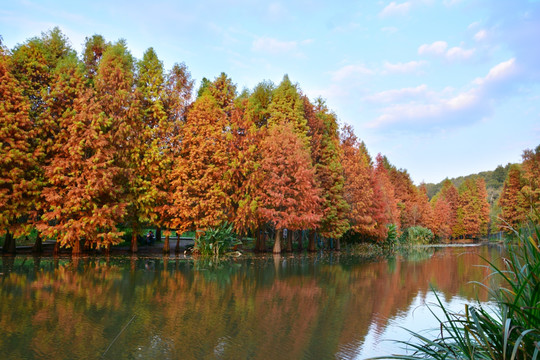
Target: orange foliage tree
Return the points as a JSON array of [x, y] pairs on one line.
[[89, 173], [17, 160], [365, 218], [289, 197], [198, 178]]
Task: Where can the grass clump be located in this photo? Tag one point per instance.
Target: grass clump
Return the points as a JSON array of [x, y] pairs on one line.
[[218, 241]]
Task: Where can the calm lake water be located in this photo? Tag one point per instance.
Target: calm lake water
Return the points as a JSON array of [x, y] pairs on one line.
[[321, 306]]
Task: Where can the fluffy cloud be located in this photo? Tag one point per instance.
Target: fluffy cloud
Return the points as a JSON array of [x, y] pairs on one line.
[[396, 9], [480, 35], [418, 108], [436, 48], [440, 48]]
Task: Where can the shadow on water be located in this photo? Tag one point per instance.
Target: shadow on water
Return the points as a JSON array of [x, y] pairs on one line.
[[325, 305]]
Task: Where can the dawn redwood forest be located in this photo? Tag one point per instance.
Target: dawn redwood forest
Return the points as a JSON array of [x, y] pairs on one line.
[[99, 142]]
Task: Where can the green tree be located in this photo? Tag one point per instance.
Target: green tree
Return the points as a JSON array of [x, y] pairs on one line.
[[327, 156]]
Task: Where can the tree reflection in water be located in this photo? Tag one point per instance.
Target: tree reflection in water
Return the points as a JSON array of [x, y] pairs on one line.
[[275, 307]]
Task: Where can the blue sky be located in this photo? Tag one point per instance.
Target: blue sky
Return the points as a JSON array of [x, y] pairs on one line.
[[444, 88]]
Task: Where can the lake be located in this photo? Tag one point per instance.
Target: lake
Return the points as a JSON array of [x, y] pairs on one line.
[[321, 306]]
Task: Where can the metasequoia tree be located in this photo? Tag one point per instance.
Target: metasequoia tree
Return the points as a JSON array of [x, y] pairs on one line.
[[358, 189], [145, 150], [244, 160], [175, 97], [17, 161], [90, 172], [449, 194], [94, 48], [327, 154], [473, 210], [512, 201], [286, 112], [387, 192], [34, 63], [442, 217], [531, 176], [289, 197], [198, 179]]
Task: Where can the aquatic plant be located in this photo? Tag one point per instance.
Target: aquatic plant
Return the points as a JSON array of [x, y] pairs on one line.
[[417, 235], [216, 241]]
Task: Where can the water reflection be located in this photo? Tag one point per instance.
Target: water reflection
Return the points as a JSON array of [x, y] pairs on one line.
[[275, 307]]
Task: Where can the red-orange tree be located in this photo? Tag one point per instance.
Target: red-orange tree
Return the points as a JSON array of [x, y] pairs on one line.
[[358, 189], [387, 193], [289, 197]]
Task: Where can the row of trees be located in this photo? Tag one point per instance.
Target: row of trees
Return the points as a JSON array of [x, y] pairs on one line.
[[93, 142], [520, 196]]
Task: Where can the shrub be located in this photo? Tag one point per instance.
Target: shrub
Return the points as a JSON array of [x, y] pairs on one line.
[[216, 241], [417, 235]]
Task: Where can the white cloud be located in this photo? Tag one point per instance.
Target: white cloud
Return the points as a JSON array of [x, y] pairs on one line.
[[396, 9], [408, 67], [480, 35], [436, 48], [348, 71], [421, 108], [458, 53], [440, 48], [498, 73]]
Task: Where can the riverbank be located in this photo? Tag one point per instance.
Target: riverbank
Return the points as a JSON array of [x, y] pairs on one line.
[[155, 248]]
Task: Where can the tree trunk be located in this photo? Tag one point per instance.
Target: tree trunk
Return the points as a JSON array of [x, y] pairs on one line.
[[338, 244], [134, 247], [76, 248], [311, 244], [56, 250], [107, 250], [9, 244], [158, 234], [177, 248], [300, 246], [257, 234], [166, 244], [289, 240], [277, 242]]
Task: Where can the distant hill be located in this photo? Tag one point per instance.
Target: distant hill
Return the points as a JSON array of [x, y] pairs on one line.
[[494, 182]]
